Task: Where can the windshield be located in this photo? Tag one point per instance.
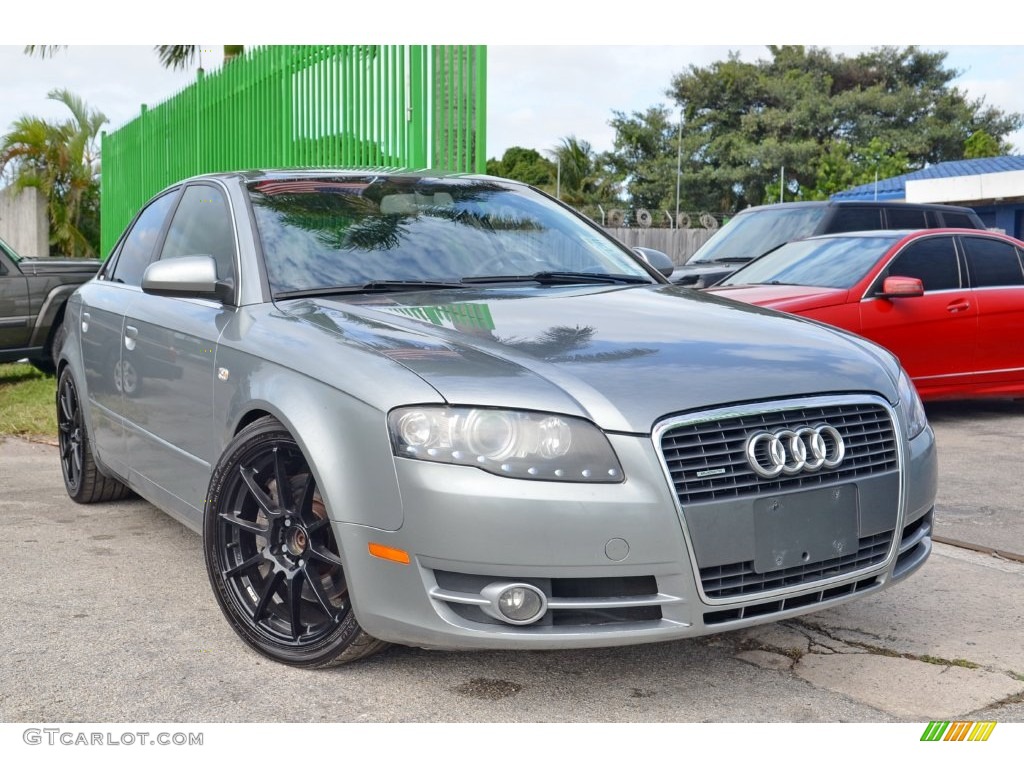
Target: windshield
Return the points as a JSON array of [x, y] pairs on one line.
[[830, 262], [319, 234], [757, 231]]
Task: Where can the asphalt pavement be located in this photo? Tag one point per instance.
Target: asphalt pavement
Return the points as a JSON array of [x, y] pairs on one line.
[[109, 618]]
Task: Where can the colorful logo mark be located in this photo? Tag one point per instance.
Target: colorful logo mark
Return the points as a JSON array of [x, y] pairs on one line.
[[959, 730]]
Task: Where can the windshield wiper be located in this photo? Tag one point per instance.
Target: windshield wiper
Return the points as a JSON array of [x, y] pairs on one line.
[[733, 260], [559, 278], [374, 286]]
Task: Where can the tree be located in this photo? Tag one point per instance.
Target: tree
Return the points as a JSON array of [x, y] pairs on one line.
[[645, 155], [823, 117], [62, 161], [982, 144], [526, 165]]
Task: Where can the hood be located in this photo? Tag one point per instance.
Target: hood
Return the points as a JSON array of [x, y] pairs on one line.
[[622, 356], [49, 266], [785, 298]]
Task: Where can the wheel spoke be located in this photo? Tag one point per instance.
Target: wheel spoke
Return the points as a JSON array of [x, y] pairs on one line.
[[316, 525], [265, 502], [246, 525], [295, 603], [65, 405], [243, 567], [306, 502], [76, 457], [324, 556], [284, 488], [268, 594], [318, 589]]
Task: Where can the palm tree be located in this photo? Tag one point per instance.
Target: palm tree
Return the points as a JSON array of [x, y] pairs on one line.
[[581, 180], [170, 56], [61, 160]]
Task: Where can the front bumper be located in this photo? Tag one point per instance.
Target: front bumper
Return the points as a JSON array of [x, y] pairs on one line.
[[615, 562]]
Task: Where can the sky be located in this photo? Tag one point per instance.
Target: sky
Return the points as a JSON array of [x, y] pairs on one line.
[[550, 86]]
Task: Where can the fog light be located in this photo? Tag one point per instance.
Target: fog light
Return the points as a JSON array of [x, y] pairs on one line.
[[514, 603]]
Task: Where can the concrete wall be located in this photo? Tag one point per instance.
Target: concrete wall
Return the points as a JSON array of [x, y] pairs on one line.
[[679, 244], [23, 222]]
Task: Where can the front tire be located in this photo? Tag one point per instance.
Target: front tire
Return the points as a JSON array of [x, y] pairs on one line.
[[271, 556], [83, 480]]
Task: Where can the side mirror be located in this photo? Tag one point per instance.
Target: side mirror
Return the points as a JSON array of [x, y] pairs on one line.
[[901, 287], [187, 277], [658, 260]]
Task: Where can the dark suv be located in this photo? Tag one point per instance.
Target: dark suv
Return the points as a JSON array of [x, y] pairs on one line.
[[33, 293], [755, 231]]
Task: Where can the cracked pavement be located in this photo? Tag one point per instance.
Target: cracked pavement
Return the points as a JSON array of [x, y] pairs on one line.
[[110, 619]]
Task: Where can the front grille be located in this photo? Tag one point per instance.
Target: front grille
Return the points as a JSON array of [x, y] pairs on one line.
[[787, 604], [719, 446], [741, 579]]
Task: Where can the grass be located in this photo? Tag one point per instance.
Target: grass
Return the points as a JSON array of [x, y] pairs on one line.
[[27, 401]]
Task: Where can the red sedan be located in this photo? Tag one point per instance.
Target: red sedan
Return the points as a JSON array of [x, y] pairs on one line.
[[948, 302]]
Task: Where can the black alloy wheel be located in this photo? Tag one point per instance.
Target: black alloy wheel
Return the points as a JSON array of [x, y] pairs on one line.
[[83, 480], [271, 555]]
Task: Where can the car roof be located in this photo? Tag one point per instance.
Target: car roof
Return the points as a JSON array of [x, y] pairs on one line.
[[273, 174], [804, 204]]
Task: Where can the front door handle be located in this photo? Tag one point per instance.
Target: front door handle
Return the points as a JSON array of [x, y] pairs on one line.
[[960, 305], [130, 334], [85, 322]]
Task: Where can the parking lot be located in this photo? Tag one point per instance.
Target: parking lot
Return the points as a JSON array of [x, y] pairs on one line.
[[110, 618]]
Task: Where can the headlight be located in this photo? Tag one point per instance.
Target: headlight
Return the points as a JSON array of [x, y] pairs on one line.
[[910, 404], [522, 444]]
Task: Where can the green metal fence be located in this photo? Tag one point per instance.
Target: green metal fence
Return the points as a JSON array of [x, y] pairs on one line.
[[407, 106]]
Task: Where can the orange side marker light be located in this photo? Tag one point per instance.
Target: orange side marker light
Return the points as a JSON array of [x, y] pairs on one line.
[[389, 553]]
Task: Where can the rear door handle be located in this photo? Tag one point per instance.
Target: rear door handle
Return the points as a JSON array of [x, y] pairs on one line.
[[960, 305]]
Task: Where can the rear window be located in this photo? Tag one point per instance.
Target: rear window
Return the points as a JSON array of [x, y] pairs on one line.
[[953, 219], [992, 263]]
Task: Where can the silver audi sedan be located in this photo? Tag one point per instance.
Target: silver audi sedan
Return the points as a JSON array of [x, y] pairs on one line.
[[449, 412]]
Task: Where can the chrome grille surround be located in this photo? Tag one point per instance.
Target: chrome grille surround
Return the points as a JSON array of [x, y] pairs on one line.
[[792, 412]]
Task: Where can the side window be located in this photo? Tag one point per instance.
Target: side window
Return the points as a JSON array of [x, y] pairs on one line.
[[202, 226], [137, 249], [961, 220], [932, 261], [855, 219], [992, 263], [905, 218]]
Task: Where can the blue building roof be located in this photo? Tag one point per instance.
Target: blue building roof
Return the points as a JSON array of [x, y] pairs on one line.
[[896, 187]]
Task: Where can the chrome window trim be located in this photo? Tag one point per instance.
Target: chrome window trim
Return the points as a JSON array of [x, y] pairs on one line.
[[777, 406]]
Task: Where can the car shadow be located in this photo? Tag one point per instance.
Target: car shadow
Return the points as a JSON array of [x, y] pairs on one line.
[[948, 411]]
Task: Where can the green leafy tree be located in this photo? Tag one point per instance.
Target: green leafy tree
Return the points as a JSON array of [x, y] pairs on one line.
[[526, 165], [983, 144], [61, 160], [824, 118], [645, 156]]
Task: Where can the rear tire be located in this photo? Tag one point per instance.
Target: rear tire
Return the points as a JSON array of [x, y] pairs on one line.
[[83, 480], [271, 556]]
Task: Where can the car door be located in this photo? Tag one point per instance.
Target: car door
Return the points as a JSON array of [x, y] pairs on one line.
[[997, 282], [15, 311], [169, 345], [103, 303], [933, 335]]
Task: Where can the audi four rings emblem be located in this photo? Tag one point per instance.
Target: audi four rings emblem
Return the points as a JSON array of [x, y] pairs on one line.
[[792, 451]]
